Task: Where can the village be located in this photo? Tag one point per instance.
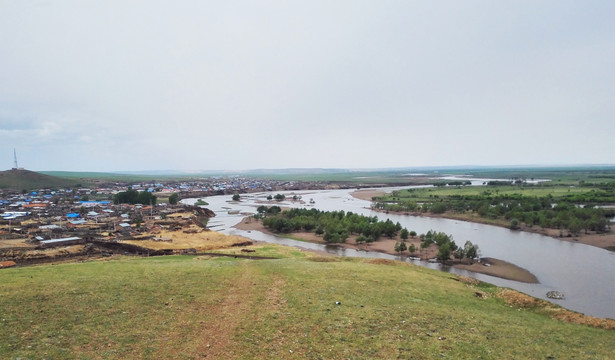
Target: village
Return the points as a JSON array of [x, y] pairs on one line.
[[67, 224]]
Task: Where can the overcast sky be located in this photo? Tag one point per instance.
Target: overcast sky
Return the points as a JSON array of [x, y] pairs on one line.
[[195, 85]]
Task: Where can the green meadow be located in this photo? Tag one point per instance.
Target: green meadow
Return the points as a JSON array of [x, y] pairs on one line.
[[186, 307]]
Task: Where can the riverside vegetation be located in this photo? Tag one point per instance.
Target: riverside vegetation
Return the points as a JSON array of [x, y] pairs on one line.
[[338, 226], [573, 209], [185, 307]]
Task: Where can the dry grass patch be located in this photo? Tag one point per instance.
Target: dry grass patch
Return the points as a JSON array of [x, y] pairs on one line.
[[186, 214], [516, 298], [275, 299], [9, 243], [576, 318], [206, 240], [467, 280], [386, 262]]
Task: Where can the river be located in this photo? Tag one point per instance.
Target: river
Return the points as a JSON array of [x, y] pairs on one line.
[[584, 274]]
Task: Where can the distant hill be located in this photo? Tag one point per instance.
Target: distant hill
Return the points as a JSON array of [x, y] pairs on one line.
[[26, 179]]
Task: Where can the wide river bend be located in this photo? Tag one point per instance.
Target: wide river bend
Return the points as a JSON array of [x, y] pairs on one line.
[[584, 274]]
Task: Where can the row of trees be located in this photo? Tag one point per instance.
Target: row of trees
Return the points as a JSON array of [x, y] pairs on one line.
[[277, 197], [541, 211]]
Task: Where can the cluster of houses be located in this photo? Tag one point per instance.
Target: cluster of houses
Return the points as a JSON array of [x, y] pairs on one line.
[[64, 217], [53, 217], [227, 185]]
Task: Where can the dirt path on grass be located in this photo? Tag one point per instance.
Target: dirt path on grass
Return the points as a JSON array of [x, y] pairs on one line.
[[229, 312], [244, 292]]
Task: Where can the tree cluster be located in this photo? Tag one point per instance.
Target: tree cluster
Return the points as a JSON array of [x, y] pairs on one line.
[[445, 243], [447, 247], [335, 226], [132, 196]]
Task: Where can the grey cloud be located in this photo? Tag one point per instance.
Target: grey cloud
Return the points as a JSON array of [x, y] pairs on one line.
[[145, 85]]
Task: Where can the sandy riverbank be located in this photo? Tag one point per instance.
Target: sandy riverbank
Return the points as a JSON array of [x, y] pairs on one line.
[[501, 269], [367, 194], [604, 241], [496, 267]]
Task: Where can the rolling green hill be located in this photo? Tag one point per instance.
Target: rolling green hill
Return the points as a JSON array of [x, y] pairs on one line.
[[298, 306], [26, 179]]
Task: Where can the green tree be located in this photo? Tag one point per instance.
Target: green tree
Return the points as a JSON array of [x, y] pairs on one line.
[[236, 197], [274, 210], [173, 199], [438, 208], [362, 239], [404, 234], [470, 250], [444, 253]]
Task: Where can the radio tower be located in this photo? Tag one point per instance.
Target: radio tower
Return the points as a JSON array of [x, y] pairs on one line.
[[15, 157]]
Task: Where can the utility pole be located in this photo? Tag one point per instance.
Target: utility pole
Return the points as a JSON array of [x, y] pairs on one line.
[[15, 159]]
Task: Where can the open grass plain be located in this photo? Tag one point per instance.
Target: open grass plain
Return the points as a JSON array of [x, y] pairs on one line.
[[289, 303], [186, 307]]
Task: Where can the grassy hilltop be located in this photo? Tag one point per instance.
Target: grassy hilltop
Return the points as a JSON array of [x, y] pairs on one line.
[[29, 180], [186, 307]]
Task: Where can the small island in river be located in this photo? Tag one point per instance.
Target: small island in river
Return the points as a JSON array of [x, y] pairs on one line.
[[487, 266]]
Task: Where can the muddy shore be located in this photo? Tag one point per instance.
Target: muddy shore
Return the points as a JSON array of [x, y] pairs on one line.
[[604, 241], [489, 266]]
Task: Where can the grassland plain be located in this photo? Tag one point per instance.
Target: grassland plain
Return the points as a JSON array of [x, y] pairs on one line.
[[185, 307], [430, 194]]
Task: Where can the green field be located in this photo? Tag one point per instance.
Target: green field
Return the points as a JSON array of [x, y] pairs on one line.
[[569, 175], [429, 194], [183, 307], [564, 175]]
